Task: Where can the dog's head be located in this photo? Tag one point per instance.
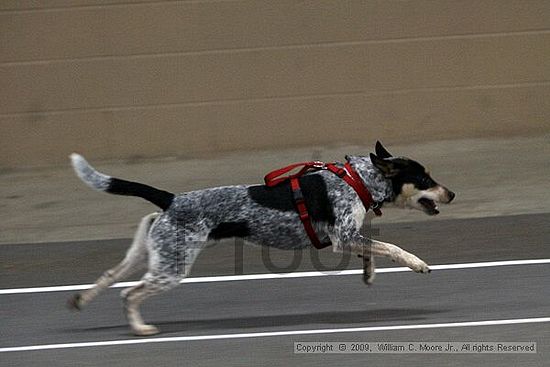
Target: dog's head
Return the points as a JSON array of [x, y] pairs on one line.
[[412, 185]]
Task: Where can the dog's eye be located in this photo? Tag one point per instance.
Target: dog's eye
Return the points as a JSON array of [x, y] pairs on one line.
[[425, 181]]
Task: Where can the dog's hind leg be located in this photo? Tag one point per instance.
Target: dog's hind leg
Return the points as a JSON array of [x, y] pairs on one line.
[[135, 258], [150, 285], [167, 268]]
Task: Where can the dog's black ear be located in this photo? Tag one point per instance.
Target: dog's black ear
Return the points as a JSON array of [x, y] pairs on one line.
[[387, 167], [381, 151]]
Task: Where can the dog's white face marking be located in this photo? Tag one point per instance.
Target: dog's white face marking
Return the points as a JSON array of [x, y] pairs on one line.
[[405, 197], [425, 200]]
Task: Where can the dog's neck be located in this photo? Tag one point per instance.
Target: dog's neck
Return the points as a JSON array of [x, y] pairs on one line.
[[380, 187]]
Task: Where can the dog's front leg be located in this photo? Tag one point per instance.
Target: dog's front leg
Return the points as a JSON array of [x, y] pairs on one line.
[[369, 266], [395, 253], [368, 248], [361, 246], [346, 236]]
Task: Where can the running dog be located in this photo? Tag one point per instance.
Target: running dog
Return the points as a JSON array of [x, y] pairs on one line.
[[170, 241]]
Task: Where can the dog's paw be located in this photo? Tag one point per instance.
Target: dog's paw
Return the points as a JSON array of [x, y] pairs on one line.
[[75, 302], [425, 269], [145, 330], [421, 267], [368, 278], [416, 264]]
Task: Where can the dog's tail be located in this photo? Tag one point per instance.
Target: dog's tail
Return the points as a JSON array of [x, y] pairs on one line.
[[102, 182]]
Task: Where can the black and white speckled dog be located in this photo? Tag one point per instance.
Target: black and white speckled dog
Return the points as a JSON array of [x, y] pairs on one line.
[[171, 240]]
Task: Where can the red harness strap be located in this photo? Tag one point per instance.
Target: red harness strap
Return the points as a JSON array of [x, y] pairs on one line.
[[353, 179], [304, 214], [347, 173], [273, 178]]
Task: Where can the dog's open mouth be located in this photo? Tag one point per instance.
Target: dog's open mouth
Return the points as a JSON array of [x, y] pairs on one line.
[[430, 207]]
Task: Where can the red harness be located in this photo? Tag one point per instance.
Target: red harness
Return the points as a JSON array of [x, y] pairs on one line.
[[347, 174]]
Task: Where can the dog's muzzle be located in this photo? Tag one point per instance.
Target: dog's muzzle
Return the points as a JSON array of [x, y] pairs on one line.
[[439, 194]]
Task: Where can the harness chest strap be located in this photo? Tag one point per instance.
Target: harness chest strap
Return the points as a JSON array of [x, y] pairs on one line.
[[300, 203], [348, 174]]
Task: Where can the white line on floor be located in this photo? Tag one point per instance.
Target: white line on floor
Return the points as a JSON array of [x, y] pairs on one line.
[[272, 333], [306, 274]]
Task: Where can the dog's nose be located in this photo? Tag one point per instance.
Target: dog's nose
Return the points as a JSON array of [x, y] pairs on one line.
[[451, 196]]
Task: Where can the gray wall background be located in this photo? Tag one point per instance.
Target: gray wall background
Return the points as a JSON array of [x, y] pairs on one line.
[[126, 79]]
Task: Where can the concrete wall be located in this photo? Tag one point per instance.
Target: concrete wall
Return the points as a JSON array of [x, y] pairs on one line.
[[151, 78]]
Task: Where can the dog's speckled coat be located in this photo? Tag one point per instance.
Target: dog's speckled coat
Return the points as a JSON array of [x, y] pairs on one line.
[[172, 239]]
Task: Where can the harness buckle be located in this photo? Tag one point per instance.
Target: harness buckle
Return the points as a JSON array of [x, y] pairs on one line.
[[376, 208], [319, 165], [341, 172], [298, 195]]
